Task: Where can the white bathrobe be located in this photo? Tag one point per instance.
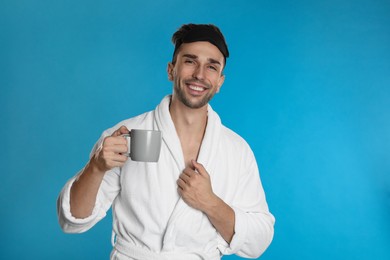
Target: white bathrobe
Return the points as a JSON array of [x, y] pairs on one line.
[[151, 221]]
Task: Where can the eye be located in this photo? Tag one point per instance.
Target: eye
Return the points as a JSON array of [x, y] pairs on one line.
[[189, 61], [213, 67]]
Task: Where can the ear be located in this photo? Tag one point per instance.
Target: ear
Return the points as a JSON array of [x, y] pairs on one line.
[[220, 82], [170, 72]]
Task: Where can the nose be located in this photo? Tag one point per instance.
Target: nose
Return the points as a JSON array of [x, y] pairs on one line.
[[199, 73]]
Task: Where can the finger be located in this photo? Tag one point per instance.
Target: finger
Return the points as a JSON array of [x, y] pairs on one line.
[[109, 147], [116, 164], [185, 177], [180, 191], [122, 130], [119, 149], [115, 161], [113, 153], [189, 170], [199, 168], [180, 183], [110, 152], [114, 140], [120, 158]]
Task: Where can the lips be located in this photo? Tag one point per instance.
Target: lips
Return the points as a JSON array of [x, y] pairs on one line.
[[196, 87]]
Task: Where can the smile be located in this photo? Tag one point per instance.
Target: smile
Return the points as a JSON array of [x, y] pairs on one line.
[[196, 88]]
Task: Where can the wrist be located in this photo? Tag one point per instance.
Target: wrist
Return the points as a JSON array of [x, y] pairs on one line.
[[95, 167], [212, 205]]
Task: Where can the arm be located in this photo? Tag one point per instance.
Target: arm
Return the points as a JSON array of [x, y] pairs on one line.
[[254, 227], [85, 188], [246, 225], [222, 216], [194, 186]]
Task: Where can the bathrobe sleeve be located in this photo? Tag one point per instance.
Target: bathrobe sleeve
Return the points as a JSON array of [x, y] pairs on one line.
[[254, 224], [108, 190]]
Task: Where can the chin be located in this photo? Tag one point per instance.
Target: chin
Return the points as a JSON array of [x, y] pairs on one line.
[[196, 104]]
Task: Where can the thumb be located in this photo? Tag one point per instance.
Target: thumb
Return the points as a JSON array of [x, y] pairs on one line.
[[199, 168], [122, 130]]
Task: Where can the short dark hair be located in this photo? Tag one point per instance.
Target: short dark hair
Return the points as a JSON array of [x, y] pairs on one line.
[[199, 32]]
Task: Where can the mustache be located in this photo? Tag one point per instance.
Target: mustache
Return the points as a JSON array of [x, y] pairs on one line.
[[197, 81]]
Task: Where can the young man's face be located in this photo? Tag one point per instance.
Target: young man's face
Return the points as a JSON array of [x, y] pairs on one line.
[[197, 73]]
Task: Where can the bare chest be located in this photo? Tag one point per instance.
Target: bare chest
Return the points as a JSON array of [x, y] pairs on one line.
[[190, 151]]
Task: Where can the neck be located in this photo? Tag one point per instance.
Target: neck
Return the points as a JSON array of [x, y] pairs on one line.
[[188, 121]]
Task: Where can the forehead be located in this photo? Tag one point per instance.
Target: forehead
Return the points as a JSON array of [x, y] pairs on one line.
[[203, 50]]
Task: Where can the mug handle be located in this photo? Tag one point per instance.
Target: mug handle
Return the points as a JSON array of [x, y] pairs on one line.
[[127, 136]]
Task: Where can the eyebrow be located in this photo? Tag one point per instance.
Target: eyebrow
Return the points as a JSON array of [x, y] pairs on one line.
[[211, 60]]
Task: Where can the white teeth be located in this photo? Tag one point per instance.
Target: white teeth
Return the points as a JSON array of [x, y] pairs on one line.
[[196, 88]]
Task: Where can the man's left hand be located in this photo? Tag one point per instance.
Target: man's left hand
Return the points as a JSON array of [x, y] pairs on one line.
[[194, 186]]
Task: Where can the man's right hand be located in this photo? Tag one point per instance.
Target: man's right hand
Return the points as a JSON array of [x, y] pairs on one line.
[[111, 153]]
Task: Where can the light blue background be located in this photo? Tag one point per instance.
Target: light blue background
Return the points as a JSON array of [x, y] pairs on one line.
[[307, 85]]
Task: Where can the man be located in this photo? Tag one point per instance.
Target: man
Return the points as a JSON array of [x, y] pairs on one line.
[[203, 198]]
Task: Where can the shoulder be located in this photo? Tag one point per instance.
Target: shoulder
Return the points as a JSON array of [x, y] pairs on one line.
[[234, 141], [238, 152], [232, 137]]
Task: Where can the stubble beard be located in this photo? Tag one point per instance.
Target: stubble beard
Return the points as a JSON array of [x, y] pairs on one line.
[[186, 101]]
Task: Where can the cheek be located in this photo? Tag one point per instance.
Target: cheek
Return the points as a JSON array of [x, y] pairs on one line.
[[215, 81]]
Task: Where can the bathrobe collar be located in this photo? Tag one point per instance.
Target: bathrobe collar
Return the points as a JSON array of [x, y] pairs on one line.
[[209, 147]]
